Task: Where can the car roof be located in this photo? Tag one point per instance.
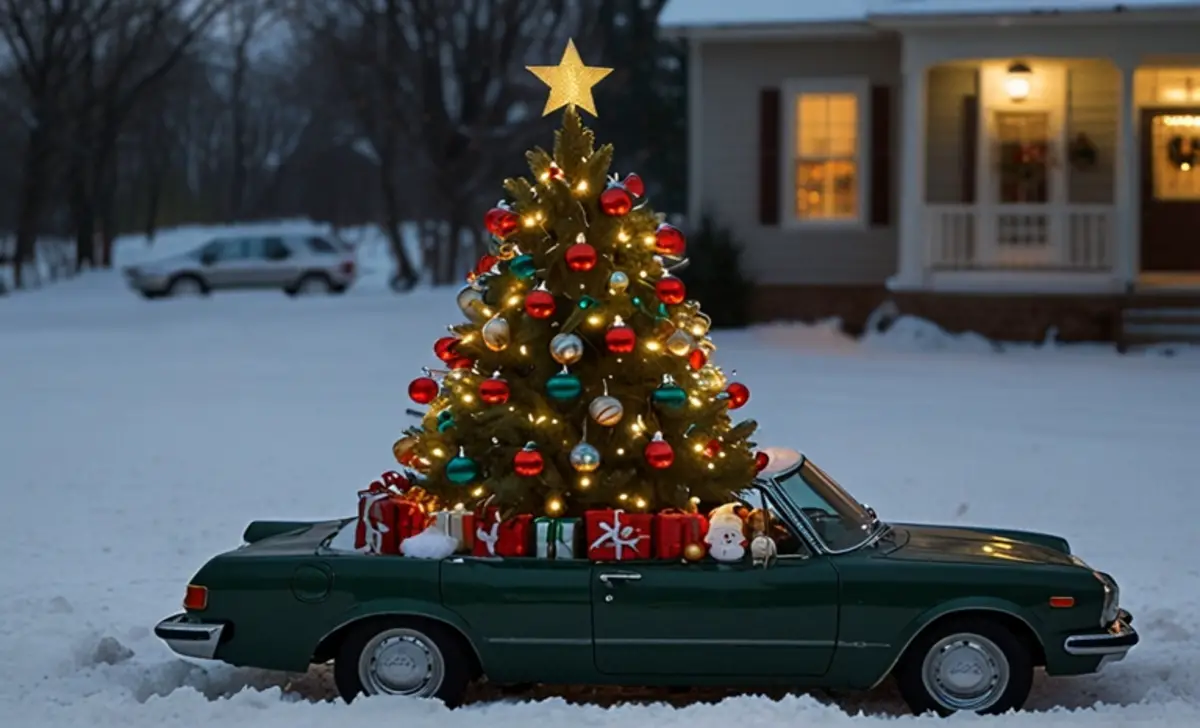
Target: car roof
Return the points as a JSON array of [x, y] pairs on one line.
[[779, 460]]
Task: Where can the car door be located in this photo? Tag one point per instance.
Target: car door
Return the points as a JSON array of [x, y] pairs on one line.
[[225, 265], [710, 618], [526, 613], [274, 264]]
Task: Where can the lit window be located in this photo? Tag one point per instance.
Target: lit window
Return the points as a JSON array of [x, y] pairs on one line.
[[827, 156]]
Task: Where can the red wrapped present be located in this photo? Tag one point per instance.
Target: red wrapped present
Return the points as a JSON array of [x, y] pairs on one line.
[[614, 535], [510, 537], [674, 530], [387, 520], [390, 484]]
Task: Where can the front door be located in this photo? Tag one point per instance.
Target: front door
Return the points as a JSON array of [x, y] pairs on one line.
[[710, 619], [1170, 190]]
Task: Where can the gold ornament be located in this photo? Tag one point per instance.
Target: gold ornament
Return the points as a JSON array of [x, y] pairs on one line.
[[710, 379], [680, 343], [496, 334], [470, 301], [507, 251], [402, 447], [693, 552], [700, 325], [570, 81]]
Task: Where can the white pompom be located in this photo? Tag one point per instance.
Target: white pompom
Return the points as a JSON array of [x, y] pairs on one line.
[[429, 544]]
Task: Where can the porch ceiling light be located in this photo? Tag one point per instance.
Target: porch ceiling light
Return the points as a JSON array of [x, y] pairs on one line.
[[1017, 84]]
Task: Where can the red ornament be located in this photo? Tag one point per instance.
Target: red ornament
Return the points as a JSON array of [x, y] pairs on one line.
[[634, 184], [620, 339], [528, 462], [760, 461], [659, 453], [739, 394], [697, 359], [554, 172], [712, 448], [669, 240], [493, 391], [581, 257], [443, 348], [501, 222], [539, 304], [460, 362], [423, 390], [616, 201], [670, 290], [485, 264]]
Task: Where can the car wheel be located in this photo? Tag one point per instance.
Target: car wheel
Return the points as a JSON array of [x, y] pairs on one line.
[[402, 657], [186, 286], [971, 664], [312, 284]]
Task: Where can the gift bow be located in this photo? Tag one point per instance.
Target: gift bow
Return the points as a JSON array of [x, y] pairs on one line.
[[490, 537], [373, 527], [620, 536]]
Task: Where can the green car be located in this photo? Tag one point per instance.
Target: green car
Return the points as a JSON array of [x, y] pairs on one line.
[[959, 616]]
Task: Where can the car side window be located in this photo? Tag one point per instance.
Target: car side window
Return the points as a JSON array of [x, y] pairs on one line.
[[775, 535], [274, 249], [229, 250], [321, 246]]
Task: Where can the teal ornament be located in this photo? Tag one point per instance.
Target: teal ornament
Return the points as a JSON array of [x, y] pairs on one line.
[[669, 395], [637, 301], [662, 311], [462, 470], [522, 266], [445, 420], [564, 386], [588, 302]]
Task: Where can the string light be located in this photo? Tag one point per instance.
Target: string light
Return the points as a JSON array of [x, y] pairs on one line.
[[623, 236], [524, 350], [585, 481], [554, 505], [529, 220], [696, 402], [514, 300], [648, 239], [478, 492], [468, 398], [595, 319], [438, 452], [712, 466], [622, 497], [653, 345], [620, 451], [640, 503], [544, 176], [540, 420], [698, 447], [487, 312], [460, 506], [582, 186]]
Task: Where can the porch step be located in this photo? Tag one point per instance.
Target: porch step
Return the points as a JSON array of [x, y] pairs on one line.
[[1160, 325]]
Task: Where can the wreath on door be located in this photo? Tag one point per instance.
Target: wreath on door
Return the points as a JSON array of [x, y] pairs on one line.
[[1183, 153]]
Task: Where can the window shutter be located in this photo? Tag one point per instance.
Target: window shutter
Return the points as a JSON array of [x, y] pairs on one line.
[[881, 156], [970, 150], [769, 157]]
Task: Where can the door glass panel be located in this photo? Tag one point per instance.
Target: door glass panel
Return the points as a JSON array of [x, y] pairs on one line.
[[1024, 142], [1175, 150]]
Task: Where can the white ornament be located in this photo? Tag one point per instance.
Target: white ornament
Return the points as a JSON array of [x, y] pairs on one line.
[[606, 410], [566, 349], [496, 334], [470, 301], [584, 457], [618, 282]]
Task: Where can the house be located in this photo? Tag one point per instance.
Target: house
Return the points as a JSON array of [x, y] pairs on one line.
[[1004, 166]]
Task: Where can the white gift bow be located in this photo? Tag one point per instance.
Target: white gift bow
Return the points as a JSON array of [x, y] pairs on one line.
[[620, 536], [374, 530], [490, 538]]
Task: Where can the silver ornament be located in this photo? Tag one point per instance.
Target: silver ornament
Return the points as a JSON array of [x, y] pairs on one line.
[[606, 410], [680, 343], [585, 458], [618, 282], [470, 301], [566, 348], [496, 334]]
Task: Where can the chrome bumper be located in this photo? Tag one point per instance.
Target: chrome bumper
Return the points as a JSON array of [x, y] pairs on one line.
[[191, 639], [1112, 645]]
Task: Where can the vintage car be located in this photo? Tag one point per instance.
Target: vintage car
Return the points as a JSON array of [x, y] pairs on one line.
[[960, 617]]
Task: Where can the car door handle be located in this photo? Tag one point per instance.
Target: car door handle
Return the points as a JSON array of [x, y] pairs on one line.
[[608, 579]]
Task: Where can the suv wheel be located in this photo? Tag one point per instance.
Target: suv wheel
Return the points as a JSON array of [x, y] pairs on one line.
[[970, 664], [186, 286], [402, 657], [311, 284]]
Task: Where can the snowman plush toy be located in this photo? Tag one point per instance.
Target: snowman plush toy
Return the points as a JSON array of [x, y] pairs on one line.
[[726, 538]]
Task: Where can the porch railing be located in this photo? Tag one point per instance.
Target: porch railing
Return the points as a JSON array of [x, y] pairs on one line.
[[1019, 237]]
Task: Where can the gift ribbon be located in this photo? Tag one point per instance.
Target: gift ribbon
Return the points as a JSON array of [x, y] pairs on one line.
[[490, 537], [374, 529], [620, 536]]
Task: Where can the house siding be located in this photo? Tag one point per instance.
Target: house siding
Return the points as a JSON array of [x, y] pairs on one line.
[[733, 75], [1093, 109], [948, 87]]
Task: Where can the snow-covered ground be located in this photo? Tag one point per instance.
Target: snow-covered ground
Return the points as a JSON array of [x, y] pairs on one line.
[[139, 438]]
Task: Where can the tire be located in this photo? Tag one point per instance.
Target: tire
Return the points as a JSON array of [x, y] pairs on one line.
[[416, 646], [311, 284], [984, 651], [186, 285]]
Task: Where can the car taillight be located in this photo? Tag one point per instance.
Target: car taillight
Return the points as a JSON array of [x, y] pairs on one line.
[[347, 267], [196, 597]]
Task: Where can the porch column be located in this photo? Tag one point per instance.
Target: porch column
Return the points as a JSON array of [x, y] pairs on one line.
[[1126, 197], [911, 248]]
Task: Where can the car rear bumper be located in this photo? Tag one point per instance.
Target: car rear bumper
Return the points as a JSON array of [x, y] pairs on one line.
[[191, 639], [1112, 645]]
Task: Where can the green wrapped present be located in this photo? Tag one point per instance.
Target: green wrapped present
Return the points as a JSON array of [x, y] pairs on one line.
[[556, 538]]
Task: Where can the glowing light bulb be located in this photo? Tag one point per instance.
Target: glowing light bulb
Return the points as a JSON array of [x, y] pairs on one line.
[[514, 300], [622, 497], [652, 345], [595, 319], [620, 451], [712, 466], [648, 239], [554, 505], [438, 452], [460, 507], [695, 401], [524, 350], [544, 176], [487, 312], [698, 447], [640, 502], [582, 186], [623, 236], [529, 220], [477, 492], [585, 481]]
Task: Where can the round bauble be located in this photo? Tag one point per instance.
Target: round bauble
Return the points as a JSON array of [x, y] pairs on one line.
[[710, 379], [460, 362], [670, 290], [522, 267], [402, 449], [606, 410], [615, 202], [580, 257], [494, 391], [680, 343], [539, 304], [496, 333], [501, 222], [462, 470], [563, 386], [669, 240], [443, 348], [658, 453], [566, 348], [697, 359], [761, 460], [693, 552], [423, 390], [618, 283], [584, 458], [486, 263], [713, 448], [528, 462], [620, 339], [634, 184], [470, 302], [739, 394], [669, 396], [445, 420]]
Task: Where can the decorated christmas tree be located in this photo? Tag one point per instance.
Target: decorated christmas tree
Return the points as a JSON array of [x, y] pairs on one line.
[[582, 377]]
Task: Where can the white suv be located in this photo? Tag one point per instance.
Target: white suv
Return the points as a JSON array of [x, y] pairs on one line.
[[295, 264]]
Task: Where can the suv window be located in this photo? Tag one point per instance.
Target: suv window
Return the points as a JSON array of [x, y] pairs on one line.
[[274, 249], [321, 246], [224, 250]]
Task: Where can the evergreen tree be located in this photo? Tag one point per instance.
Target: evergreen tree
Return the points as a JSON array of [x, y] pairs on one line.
[[582, 377]]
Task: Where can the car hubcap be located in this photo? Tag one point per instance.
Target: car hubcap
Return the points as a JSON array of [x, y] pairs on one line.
[[965, 672], [186, 287], [312, 286], [401, 662]]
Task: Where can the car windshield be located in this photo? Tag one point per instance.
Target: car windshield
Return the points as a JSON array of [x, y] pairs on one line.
[[841, 522]]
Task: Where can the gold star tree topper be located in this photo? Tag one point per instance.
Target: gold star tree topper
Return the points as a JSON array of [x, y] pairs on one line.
[[570, 81]]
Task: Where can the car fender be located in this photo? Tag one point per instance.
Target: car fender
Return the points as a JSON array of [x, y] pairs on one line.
[[963, 604], [404, 608]]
